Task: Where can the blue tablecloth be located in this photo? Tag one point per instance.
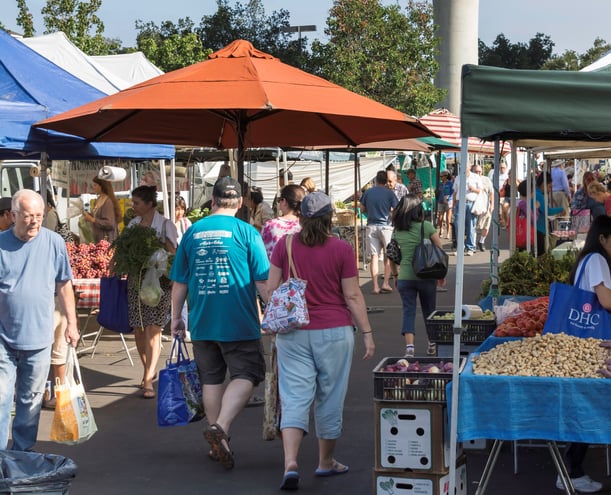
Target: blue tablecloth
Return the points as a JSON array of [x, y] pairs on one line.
[[518, 408]]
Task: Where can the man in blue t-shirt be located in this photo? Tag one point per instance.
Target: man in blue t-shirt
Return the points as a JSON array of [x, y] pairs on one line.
[[378, 202], [220, 264], [34, 266]]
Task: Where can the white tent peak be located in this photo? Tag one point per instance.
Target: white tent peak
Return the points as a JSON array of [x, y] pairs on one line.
[[57, 48], [108, 73], [603, 64], [133, 67]]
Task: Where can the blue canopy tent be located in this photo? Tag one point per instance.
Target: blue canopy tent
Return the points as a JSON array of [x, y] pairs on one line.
[[31, 89]]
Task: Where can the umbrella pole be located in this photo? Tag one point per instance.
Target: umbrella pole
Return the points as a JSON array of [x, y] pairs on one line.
[[460, 263], [241, 129], [327, 173], [356, 185], [164, 186]]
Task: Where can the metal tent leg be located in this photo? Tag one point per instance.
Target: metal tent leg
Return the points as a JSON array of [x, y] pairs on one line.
[[561, 468], [123, 341], [492, 457]]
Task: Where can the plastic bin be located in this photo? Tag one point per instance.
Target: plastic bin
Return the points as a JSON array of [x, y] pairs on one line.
[[411, 386], [33, 472], [441, 331]]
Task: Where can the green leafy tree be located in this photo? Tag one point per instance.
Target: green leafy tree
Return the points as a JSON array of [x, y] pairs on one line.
[[170, 46], [81, 24], [599, 48], [249, 21], [381, 53], [504, 53], [25, 19], [569, 60]]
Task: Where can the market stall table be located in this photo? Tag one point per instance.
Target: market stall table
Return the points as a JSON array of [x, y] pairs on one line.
[[512, 408]]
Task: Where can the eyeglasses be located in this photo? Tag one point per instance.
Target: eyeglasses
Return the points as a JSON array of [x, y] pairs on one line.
[[29, 217]]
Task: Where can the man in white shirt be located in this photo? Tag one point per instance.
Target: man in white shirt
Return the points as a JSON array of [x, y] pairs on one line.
[[484, 219], [503, 174], [474, 186]]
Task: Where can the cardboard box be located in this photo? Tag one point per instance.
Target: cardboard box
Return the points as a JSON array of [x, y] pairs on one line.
[[385, 483], [412, 436]]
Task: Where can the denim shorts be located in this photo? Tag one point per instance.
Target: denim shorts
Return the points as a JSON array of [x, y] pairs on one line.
[[244, 359]]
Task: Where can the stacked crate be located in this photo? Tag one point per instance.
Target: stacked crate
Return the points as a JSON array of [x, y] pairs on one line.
[[412, 433], [441, 331]]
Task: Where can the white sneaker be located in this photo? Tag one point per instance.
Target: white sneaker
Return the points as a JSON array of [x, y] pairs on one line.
[[409, 350], [585, 484], [468, 253]]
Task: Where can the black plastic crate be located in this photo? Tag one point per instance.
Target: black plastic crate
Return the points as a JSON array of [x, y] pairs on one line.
[[442, 331], [411, 386]]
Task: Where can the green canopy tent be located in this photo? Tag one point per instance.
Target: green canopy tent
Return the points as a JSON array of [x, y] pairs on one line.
[[532, 109]]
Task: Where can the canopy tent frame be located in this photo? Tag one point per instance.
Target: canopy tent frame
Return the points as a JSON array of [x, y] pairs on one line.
[[529, 108]]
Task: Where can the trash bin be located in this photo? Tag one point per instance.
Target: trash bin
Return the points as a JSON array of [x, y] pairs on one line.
[[33, 472]]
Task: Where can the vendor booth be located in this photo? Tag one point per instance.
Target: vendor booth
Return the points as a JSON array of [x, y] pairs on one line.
[[531, 109]]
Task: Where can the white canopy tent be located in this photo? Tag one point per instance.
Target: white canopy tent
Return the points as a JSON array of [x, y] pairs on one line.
[[107, 73], [131, 67], [57, 48]]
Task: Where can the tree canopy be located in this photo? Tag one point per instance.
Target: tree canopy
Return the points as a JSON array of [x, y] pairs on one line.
[[379, 52], [537, 54]]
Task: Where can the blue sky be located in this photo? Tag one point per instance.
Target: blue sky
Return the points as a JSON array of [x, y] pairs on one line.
[[571, 24]]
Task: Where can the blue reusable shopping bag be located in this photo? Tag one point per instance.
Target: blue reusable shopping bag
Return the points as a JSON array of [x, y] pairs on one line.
[[576, 311], [113, 314], [179, 399]]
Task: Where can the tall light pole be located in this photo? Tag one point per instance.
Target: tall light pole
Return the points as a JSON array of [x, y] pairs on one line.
[[298, 30]]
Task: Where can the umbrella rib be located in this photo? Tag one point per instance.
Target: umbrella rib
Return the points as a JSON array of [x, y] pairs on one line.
[[113, 126], [338, 130]]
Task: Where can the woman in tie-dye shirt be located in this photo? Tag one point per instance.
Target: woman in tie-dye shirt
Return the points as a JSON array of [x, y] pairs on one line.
[[289, 205]]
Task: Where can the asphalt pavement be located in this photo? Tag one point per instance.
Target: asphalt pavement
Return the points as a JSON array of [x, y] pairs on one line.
[[131, 455]]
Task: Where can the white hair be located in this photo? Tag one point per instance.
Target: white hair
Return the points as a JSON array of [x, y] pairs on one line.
[[26, 195]]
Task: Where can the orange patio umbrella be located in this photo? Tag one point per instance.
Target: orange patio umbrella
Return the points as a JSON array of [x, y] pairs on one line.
[[239, 98], [447, 125]]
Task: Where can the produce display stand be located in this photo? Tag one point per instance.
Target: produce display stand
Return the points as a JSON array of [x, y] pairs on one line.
[[511, 407]]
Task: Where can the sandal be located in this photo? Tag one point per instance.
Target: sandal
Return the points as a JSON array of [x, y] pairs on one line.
[[215, 436], [148, 393]]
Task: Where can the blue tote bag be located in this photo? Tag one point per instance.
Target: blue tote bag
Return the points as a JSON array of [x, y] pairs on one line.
[[576, 311], [113, 313], [179, 399]]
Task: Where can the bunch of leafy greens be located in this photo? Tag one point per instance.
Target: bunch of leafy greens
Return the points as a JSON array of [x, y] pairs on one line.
[[133, 249], [524, 275]]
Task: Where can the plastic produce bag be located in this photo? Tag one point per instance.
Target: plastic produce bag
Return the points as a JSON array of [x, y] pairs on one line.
[[150, 289], [85, 231], [508, 308]]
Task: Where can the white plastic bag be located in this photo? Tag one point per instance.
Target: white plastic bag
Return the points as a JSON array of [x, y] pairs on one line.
[[150, 289], [508, 308]]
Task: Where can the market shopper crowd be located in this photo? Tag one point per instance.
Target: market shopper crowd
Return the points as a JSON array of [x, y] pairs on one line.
[[249, 260]]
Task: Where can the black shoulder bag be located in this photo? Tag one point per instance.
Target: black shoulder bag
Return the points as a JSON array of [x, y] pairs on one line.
[[430, 261]]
